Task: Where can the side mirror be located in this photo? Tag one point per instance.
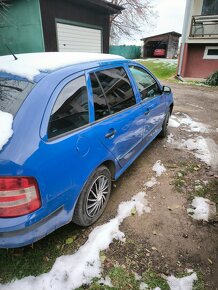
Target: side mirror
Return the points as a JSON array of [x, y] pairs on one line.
[[166, 90]]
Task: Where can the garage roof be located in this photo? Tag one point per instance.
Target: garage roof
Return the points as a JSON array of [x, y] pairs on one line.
[[163, 34], [101, 5]]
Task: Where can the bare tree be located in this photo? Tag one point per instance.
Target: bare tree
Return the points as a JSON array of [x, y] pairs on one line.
[[134, 17], [3, 8]]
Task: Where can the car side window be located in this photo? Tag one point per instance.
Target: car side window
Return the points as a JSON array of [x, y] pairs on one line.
[[146, 84], [71, 108], [99, 99], [117, 89]]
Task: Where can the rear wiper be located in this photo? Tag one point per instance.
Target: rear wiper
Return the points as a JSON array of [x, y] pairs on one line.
[[11, 87]]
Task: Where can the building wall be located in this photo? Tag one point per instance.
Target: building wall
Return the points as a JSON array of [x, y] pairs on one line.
[[70, 11], [21, 28], [194, 65], [172, 49]]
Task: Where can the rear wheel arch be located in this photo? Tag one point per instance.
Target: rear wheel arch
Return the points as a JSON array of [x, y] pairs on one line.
[[111, 166], [80, 215]]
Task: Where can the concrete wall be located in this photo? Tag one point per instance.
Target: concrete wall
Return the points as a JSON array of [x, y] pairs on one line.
[[21, 28]]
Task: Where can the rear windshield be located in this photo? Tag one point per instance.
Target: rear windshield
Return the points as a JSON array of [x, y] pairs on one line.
[[12, 94]]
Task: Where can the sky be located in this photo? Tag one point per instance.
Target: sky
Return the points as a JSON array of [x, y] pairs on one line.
[[170, 18]]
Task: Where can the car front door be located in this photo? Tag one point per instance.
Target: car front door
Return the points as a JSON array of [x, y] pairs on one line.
[[152, 101], [116, 113]]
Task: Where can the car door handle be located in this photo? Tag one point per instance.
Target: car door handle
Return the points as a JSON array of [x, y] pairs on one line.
[[146, 112], [110, 133]]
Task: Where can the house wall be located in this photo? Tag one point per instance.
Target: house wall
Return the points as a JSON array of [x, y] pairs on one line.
[[194, 65], [73, 12], [21, 28]]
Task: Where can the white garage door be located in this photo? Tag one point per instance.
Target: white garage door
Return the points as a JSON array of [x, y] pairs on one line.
[[77, 38]]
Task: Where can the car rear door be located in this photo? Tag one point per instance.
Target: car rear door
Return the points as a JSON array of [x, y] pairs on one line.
[[152, 101], [116, 113]]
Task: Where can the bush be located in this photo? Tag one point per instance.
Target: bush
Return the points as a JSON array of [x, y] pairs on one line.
[[212, 80]]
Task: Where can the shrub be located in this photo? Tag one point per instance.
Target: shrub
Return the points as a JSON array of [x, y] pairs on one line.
[[212, 80]]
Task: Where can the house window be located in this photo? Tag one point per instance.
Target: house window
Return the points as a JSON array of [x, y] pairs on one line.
[[211, 52], [210, 7]]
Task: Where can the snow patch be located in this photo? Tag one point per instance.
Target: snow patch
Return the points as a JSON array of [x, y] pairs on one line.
[[187, 123], [6, 121], [169, 62], [170, 138], [30, 65], [202, 148], [151, 182], [173, 122], [159, 168], [137, 276], [143, 286], [71, 271], [200, 210], [185, 283], [106, 281]]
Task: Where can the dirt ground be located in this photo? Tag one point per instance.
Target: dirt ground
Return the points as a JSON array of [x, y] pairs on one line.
[[167, 239]]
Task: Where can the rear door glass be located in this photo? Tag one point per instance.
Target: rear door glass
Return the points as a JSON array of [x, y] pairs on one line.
[[70, 111], [12, 94], [117, 89]]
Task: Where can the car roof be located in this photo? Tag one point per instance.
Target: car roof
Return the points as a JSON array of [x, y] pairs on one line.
[[33, 66]]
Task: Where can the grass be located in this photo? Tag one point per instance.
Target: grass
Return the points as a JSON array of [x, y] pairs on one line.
[[161, 69], [21, 262], [154, 280], [191, 175], [123, 280]]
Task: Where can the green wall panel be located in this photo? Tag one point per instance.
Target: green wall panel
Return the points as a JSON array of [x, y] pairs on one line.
[[21, 28], [127, 51]]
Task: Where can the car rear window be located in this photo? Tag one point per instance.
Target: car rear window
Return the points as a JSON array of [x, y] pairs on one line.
[[13, 93]]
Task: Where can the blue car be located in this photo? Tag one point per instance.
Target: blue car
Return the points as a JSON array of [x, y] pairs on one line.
[[79, 121]]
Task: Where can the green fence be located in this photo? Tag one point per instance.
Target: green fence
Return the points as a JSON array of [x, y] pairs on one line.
[[128, 51]]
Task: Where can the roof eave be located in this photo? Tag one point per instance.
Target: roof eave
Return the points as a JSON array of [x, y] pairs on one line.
[[112, 8]]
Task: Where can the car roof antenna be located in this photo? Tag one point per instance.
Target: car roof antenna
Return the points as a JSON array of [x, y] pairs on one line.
[[11, 52]]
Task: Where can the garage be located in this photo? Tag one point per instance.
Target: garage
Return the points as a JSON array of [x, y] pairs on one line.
[[57, 25], [162, 45], [77, 38]]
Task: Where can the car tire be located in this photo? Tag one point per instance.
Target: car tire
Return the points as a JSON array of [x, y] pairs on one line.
[[163, 132], [93, 198]]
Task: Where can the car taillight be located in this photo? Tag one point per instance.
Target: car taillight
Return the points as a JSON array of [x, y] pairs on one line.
[[18, 196]]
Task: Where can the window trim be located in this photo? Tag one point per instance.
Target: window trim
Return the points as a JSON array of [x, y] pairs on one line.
[[206, 56]]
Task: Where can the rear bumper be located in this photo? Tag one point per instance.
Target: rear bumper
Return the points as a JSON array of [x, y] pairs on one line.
[[15, 238]]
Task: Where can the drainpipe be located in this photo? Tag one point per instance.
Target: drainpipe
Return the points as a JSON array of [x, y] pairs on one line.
[[188, 10]]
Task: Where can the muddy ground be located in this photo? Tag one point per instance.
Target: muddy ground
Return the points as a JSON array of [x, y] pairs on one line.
[[167, 240]]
